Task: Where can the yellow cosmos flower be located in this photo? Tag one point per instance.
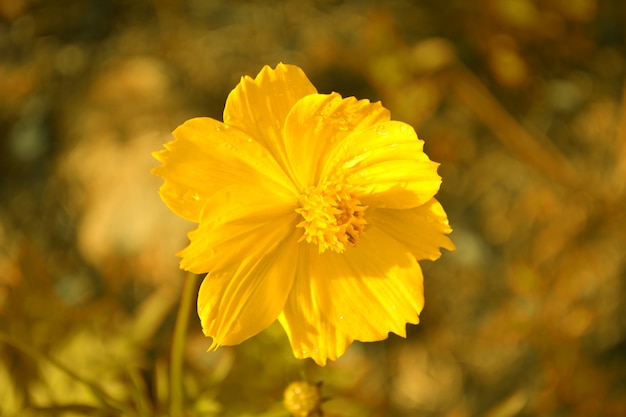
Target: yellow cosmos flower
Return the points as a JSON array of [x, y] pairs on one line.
[[312, 209]]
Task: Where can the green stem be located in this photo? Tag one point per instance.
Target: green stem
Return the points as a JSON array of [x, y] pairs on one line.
[[178, 345]]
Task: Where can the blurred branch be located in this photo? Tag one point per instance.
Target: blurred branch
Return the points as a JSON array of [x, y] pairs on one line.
[[140, 393], [78, 409], [108, 401], [151, 314], [510, 406], [620, 169], [508, 131]]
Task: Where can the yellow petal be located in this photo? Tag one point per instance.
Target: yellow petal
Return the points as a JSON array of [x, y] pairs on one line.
[[386, 166], [238, 222], [370, 290], [309, 331], [422, 230], [206, 156], [319, 121], [260, 106], [238, 302]]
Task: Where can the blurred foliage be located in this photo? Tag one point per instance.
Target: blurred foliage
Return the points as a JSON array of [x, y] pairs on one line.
[[522, 102]]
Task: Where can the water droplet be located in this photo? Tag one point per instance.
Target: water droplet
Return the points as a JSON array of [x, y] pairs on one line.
[[229, 146], [382, 131]]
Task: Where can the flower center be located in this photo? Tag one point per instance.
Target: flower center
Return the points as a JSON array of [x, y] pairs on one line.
[[333, 218]]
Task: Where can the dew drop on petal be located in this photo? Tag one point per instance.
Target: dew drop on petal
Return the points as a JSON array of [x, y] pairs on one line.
[[229, 146], [382, 131]]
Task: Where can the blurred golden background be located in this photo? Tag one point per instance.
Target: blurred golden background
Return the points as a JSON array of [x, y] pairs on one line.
[[521, 101]]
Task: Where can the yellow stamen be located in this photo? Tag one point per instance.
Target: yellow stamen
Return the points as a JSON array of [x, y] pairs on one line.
[[333, 218]]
